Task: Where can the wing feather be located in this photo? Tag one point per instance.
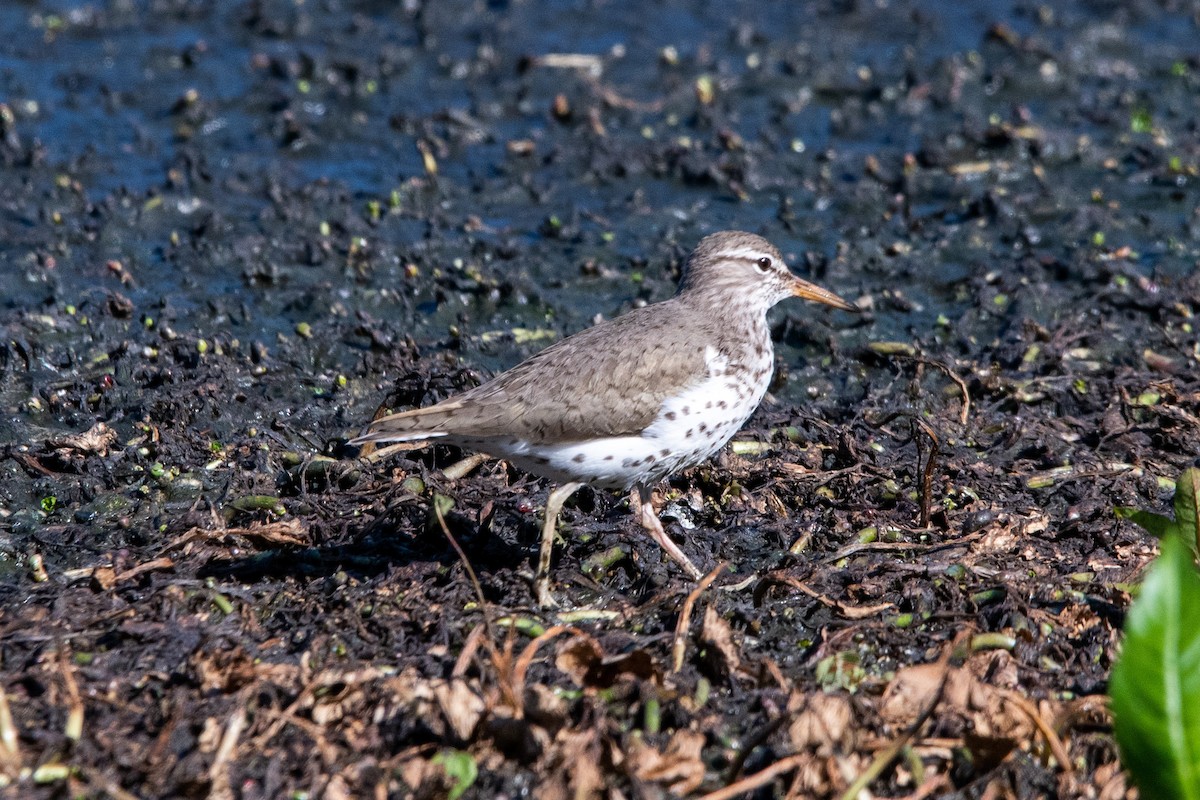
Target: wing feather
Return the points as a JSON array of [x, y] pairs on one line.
[[608, 380]]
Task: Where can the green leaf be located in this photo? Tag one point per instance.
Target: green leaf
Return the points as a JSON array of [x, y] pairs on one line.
[[1156, 525], [1187, 513], [1155, 685], [460, 769], [1186, 524]]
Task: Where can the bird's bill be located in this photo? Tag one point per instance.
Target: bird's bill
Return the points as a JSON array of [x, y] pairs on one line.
[[810, 291]]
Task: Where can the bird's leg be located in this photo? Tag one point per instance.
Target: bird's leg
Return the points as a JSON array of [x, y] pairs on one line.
[[639, 499], [554, 504]]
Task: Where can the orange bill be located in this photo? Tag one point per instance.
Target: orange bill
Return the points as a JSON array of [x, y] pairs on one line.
[[810, 291]]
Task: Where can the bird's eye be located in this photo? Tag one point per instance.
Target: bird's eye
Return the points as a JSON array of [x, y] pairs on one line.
[[764, 264]]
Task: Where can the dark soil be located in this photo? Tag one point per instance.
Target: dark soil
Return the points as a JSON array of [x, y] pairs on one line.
[[227, 235]]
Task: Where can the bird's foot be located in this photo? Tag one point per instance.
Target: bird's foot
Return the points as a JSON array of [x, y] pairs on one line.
[[639, 501], [691, 569], [541, 590]]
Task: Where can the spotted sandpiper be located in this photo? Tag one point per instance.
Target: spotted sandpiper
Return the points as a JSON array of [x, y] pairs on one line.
[[626, 403]]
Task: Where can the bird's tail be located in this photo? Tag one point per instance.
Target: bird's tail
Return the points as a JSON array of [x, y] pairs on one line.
[[409, 426]]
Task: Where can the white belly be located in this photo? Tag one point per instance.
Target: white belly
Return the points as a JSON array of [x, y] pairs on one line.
[[689, 428]]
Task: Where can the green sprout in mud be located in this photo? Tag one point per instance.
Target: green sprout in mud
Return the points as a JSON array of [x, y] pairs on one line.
[[460, 768], [1141, 121], [49, 503]]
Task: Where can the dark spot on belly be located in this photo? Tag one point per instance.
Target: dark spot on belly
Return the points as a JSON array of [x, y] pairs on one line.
[[722, 404], [670, 415], [686, 410], [689, 433], [708, 404], [541, 460], [608, 458], [578, 459], [666, 451], [650, 459], [703, 427]]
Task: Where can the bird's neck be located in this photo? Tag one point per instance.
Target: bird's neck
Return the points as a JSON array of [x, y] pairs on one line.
[[739, 325]]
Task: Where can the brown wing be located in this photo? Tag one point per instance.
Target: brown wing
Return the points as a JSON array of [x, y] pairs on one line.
[[608, 380]]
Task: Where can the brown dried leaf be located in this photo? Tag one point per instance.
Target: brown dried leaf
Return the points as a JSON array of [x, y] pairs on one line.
[[449, 708], [717, 639], [337, 789], [543, 707], [573, 768], [96, 439], [990, 717], [583, 659], [822, 723], [333, 707], [223, 670], [461, 706], [987, 752], [284, 532], [679, 767], [104, 578], [424, 779], [1111, 780], [576, 657], [997, 668], [911, 692]]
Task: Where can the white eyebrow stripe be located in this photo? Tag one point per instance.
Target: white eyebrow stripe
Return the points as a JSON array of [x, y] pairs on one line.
[[749, 253]]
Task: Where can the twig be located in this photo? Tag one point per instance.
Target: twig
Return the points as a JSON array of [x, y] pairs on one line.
[[218, 773], [965, 412], [685, 617], [1056, 746], [758, 779], [287, 715], [927, 470], [763, 733], [379, 454], [848, 611], [73, 729], [10, 748], [462, 468], [483, 604], [916, 547], [474, 638], [521, 667]]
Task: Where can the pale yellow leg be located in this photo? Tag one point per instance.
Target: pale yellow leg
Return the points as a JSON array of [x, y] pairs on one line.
[[554, 504], [639, 501]]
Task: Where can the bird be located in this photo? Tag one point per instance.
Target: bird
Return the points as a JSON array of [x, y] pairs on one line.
[[628, 402]]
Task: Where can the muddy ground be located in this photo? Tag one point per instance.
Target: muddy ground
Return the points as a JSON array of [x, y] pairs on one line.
[[229, 233]]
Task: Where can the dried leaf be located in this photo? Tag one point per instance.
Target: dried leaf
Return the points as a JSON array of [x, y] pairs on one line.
[[583, 659], [678, 767], [223, 670], [716, 637], [910, 692], [425, 779], [573, 768], [823, 723], [544, 707], [461, 706], [96, 439]]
